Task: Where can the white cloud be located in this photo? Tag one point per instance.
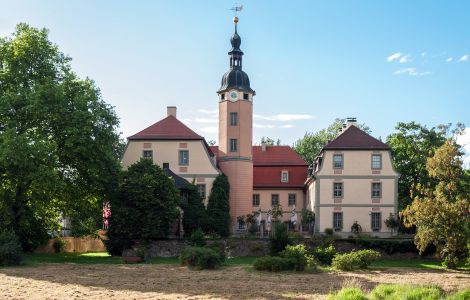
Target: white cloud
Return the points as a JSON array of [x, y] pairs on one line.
[[411, 72], [449, 59], [186, 121], [405, 59], [206, 120], [464, 141], [287, 126], [283, 117], [208, 111], [464, 58], [394, 56], [256, 125], [214, 129]]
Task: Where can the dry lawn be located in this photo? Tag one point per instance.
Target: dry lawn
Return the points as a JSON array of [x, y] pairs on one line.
[[72, 281]]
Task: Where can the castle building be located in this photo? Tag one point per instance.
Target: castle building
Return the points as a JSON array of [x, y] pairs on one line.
[[265, 176]]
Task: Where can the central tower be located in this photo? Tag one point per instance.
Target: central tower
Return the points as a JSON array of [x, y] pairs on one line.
[[236, 132]]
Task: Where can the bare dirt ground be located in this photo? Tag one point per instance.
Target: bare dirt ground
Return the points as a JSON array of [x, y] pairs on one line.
[[71, 281]]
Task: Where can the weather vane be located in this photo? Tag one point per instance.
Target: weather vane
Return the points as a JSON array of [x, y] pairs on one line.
[[237, 8]]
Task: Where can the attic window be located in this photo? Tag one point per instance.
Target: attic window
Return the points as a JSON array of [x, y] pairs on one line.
[[222, 96], [285, 176], [245, 96]]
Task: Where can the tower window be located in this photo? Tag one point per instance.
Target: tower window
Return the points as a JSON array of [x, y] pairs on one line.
[[233, 119], [233, 145], [245, 96], [222, 96]]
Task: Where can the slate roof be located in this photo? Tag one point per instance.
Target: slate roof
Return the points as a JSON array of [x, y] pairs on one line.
[[355, 139], [169, 128], [180, 182]]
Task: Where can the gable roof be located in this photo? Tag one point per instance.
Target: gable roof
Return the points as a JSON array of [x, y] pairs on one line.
[[169, 128], [355, 139]]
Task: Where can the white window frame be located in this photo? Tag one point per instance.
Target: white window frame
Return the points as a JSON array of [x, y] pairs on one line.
[[334, 161], [182, 159], [338, 221], [373, 163], [335, 190], [285, 176], [376, 221]]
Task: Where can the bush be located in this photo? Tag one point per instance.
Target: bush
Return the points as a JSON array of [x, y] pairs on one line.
[[324, 255], [273, 264], [200, 257], [10, 248], [462, 295], [329, 231], [279, 238], [298, 256], [398, 292], [296, 236], [355, 260], [219, 248], [59, 244], [197, 238], [350, 293]]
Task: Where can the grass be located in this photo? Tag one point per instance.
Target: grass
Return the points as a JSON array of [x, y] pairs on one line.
[[407, 263]]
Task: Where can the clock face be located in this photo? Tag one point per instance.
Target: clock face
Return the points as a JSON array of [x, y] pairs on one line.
[[233, 95]]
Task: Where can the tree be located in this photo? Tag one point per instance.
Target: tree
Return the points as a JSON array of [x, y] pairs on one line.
[[412, 145], [311, 144], [143, 208], [218, 206], [195, 216], [442, 212], [58, 139], [270, 142], [211, 142]]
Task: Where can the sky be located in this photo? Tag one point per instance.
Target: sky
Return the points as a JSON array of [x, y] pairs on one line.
[[309, 61]]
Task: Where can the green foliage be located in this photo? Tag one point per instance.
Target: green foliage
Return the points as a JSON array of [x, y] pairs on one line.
[[308, 217], [279, 238], [298, 256], [311, 144], [329, 231], [273, 264], [270, 142], [462, 295], [356, 228], [195, 215], [218, 207], [442, 212], [58, 139], [59, 244], [392, 222], [355, 260], [143, 208], [324, 255], [398, 292], [197, 238], [219, 248], [350, 293], [10, 248], [200, 258]]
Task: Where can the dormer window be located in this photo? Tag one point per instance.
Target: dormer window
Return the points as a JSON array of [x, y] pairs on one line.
[[285, 176]]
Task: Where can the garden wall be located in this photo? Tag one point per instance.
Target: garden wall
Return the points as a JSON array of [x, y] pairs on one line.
[[75, 244]]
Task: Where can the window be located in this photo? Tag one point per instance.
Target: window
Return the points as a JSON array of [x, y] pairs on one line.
[[376, 189], [166, 165], [274, 199], [337, 189], [376, 161], [337, 221], [376, 221], [255, 199], [147, 154], [337, 161], [233, 145], [241, 225], [292, 199], [285, 176], [201, 189], [233, 119], [245, 96], [222, 97], [184, 157]]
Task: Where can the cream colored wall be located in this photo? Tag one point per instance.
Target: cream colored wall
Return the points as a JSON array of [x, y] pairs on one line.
[[352, 214], [200, 168], [265, 202], [357, 163]]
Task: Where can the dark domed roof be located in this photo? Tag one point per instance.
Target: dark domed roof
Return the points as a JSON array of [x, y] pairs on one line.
[[235, 41], [237, 79]]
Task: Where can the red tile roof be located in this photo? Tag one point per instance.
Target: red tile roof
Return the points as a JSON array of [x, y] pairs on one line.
[[169, 128], [355, 139], [270, 176]]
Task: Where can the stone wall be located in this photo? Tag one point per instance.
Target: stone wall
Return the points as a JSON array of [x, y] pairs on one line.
[[75, 244]]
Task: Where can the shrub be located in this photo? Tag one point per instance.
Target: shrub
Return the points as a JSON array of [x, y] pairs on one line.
[[398, 292], [219, 248], [356, 227], [295, 236], [200, 257], [197, 238], [329, 231], [273, 264], [279, 238], [324, 255], [10, 248], [298, 256], [462, 295], [355, 260], [351, 293], [59, 244]]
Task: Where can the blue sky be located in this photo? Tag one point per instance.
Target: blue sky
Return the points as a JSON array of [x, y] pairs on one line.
[[309, 61]]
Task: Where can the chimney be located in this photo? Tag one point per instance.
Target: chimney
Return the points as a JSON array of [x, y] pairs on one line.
[[171, 111], [349, 121], [263, 147]]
